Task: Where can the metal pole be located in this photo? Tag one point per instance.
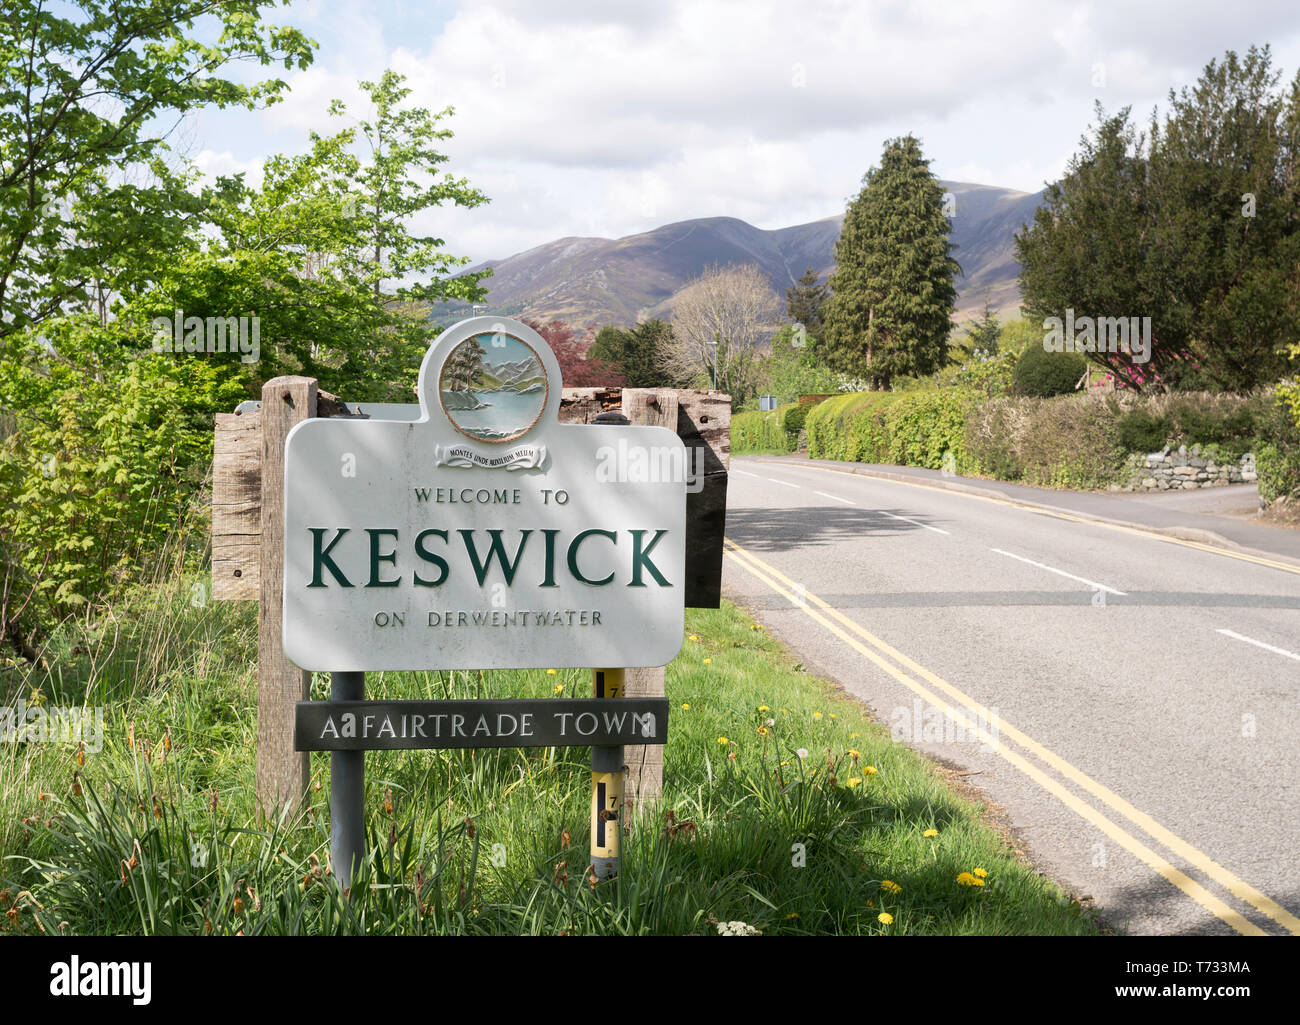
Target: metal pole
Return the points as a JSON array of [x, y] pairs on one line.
[[347, 790], [606, 785]]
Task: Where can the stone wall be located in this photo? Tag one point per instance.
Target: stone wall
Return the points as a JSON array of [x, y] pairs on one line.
[[1170, 470]]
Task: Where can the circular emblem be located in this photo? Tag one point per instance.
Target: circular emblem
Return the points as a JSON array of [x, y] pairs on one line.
[[493, 387]]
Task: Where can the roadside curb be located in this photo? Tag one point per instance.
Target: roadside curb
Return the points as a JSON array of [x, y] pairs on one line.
[[1194, 534]]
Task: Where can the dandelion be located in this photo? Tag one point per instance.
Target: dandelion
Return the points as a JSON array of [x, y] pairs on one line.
[[870, 770], [762, 731], [853, 736], [693, 637], [557, 688], [764, 708], [966, 879], [551, 672], [686, 707], [852, 782], [792, 914], [708, 661], [885, 918], [817, 715], [982, 872], [931, 832], [889, 886], [832, 715], [871, 903], [854, 754], [769, 723], [802, 752], [723, 740]]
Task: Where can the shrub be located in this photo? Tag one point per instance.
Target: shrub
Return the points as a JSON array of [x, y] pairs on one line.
[[793, 417], [1042, 374], [1142, 431], [1066, 441]]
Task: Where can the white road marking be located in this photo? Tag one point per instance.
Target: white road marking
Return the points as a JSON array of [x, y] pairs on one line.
[[785, 482], [746, 473], [835, 497], [917, 523], [1060, 572], [1259, 644]]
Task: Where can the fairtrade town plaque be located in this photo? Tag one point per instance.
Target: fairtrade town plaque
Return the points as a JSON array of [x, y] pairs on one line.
[[486, 534]]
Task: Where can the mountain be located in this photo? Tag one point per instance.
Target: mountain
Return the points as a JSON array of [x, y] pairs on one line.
[[597, 281]]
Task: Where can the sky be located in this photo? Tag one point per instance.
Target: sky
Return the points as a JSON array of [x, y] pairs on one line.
[[606, 119]]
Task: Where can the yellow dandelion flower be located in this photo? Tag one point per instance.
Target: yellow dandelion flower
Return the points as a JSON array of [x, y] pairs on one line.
[[832, 715], [557, 688], [966, 879], [708, 661], [792, 914], [686, 707], [889, 886], [693, 637], [764, 708], [931, 832], [982, 872], [854, 754], [853, 736], [871, 903], [870, 770], [551, 672], [723, 740], [817, 715], [852, 782], [885, 918]]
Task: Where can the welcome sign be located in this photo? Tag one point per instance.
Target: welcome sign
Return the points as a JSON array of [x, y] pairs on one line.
[[486, 534]]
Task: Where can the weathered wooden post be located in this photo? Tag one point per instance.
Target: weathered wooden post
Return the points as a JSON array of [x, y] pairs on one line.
[[283, 774]]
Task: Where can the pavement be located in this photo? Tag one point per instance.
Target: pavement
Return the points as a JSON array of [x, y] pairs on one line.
[[1117, 673]]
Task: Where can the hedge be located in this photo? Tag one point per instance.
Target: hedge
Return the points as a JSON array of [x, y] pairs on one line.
[[756, 433], [916, 428]]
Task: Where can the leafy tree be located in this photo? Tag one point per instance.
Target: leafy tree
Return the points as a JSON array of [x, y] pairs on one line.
[[806, 301], [577, 368], [1194, 222], [635, 352], [87, 97], [312, 251], [793, 369], [892, 289]]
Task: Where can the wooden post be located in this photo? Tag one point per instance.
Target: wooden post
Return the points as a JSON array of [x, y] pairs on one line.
[[236, 506], [283, 774]]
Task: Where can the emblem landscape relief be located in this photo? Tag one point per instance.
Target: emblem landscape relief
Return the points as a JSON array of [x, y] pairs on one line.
[[493, 387]]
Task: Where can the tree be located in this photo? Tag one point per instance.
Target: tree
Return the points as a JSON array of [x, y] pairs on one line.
[[805, 302], [313, 253], [87, 203], [577, 369], [719, 322], [1194, 223], [983, 333], [634, 352], [892, 293], [792, 369]]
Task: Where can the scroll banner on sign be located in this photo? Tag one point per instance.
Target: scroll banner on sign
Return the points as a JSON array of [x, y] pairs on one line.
[[526, 457]]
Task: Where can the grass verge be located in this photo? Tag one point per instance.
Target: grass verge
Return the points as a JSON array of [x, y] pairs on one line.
[[785, 808]]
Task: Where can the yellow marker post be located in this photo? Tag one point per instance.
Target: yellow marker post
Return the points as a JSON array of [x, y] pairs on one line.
[[607, 771]]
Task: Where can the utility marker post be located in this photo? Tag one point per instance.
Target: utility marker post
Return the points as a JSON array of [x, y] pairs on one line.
[[606, 785]]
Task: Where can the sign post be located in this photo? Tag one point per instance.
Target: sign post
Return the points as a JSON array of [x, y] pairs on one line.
[[484, 535]]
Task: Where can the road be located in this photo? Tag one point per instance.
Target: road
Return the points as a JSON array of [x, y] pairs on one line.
[[1129, 699]]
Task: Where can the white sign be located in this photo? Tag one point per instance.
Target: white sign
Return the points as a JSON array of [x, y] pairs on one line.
[[486, 534]]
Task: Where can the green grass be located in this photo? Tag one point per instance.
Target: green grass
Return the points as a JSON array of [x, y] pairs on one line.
[[157, 833]]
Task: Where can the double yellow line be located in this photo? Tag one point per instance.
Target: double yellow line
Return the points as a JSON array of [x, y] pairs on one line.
[[970, 714]]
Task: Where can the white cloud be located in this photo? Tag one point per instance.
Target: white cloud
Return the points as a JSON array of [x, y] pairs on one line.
[[580, 119]]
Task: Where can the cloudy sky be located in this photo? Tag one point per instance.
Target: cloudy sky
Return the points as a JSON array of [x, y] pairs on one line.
[[615, 117]]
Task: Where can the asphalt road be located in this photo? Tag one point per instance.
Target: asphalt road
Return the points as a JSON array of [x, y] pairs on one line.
[[1129, 699]]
